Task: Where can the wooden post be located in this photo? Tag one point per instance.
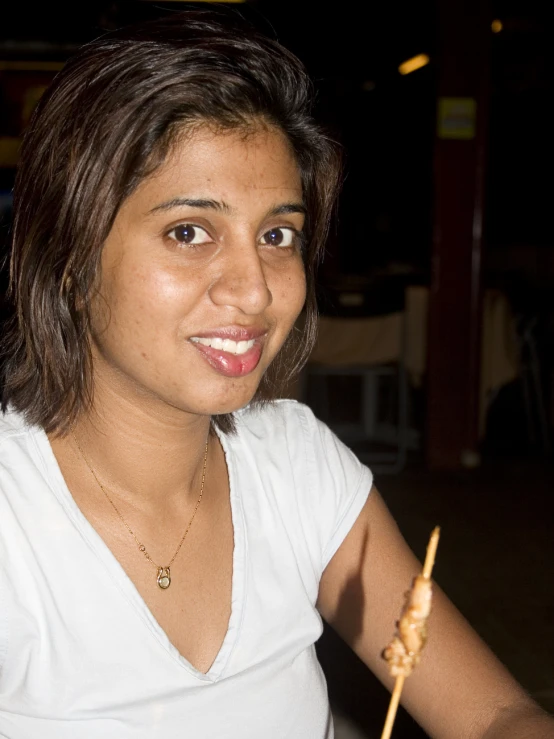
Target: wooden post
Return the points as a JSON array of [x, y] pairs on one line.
[[464, 31]]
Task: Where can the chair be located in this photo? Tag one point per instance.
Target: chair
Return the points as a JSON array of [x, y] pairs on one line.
[[372, 348], [535, 406]]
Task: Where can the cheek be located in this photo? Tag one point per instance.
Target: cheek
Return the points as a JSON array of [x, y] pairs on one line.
[[292, 291], [144, 294]]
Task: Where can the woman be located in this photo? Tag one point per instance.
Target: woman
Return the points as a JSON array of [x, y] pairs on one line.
[[167, 552]]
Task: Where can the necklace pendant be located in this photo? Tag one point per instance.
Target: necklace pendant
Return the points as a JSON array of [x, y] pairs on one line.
[[164, 578]]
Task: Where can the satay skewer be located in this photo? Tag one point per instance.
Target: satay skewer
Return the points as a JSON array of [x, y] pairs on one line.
[[431, 553], [404, 652], [393, 707]]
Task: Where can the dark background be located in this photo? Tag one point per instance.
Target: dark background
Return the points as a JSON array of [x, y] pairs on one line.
[[384, 120]]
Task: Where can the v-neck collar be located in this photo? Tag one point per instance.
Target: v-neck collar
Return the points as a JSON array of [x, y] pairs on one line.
[[123, 582]]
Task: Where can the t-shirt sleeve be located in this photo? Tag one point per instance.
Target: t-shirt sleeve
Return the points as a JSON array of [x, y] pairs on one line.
[[337, 487], [3, 619], [3, 581]]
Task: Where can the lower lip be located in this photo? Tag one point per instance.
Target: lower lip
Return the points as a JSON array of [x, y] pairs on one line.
[[231, 365]]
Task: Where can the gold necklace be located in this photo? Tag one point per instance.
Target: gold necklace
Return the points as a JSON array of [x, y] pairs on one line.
[[164, 575]]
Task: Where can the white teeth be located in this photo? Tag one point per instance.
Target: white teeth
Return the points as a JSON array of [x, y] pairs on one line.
[[226, 345]]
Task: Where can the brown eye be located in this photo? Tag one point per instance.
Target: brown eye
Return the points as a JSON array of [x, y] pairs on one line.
[[187, 234], [279, 237]]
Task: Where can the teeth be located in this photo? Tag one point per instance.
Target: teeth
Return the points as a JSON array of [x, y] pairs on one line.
[[227, 345]]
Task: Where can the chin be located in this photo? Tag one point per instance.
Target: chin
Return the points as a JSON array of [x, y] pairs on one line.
[[231, 405], [223, 402]]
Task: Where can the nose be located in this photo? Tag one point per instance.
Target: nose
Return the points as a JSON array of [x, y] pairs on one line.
[[241, 282]]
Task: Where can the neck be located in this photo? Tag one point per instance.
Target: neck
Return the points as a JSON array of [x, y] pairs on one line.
[[146, 453]]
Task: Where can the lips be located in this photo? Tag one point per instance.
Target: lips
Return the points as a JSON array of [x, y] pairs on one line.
[[231, 351], [227, 345]]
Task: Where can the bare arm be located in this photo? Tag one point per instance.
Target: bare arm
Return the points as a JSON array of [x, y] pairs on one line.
[[460, 690], [527, 722]]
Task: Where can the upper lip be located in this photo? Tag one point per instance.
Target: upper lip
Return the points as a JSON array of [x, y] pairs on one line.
[[235, 333]]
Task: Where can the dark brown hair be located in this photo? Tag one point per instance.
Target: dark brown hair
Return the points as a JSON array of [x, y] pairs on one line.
[[106, 123]]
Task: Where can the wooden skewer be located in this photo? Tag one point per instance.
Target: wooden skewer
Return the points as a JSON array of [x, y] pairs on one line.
[[399, 684], [431, 553], [393, 707]]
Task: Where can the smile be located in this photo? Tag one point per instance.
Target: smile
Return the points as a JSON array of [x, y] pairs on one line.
[[231, 357], [227, 345]]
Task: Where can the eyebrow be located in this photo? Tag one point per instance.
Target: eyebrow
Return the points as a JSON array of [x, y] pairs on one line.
[[193, 203], [222, 207], [286, 208]]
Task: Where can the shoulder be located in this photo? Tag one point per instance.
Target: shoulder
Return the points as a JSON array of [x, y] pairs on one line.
[[275, 419], [17, 449], [14, 432], [288, 430], [284, 430], [12, 424], [288, 426], [321, 478]]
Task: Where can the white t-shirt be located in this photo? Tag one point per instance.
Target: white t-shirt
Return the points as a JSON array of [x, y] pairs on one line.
[[82, 657]]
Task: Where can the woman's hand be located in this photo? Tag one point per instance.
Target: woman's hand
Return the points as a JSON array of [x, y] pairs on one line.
[[460, 690]]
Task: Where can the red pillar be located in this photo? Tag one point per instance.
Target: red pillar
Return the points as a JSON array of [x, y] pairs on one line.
[[455, 302]]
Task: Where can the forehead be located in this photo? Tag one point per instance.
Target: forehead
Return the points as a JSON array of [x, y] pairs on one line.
[[227, 165]]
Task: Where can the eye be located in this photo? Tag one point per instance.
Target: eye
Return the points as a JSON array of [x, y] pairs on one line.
[[186, 233], [280, 237]]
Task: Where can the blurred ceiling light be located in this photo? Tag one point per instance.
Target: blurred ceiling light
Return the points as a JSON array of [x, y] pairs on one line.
[[497, 25], [416, 62]]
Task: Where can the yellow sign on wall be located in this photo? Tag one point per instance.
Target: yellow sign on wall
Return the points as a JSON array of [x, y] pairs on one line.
[[456, 118]]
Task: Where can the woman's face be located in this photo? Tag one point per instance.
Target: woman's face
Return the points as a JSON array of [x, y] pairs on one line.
[[201, 274]]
